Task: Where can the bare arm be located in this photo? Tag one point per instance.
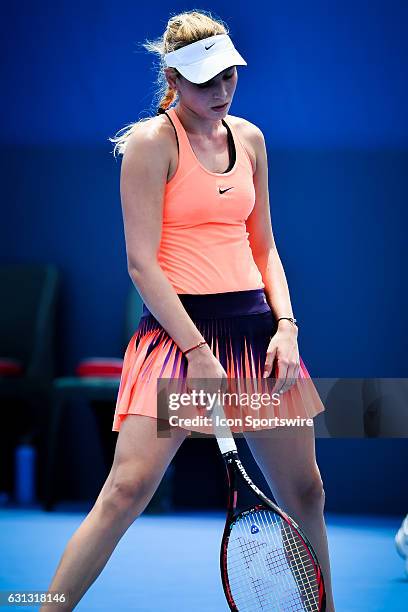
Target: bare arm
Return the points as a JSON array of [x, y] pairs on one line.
[[259, 227], [142, 182]]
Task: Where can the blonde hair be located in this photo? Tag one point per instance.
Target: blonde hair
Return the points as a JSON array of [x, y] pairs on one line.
[[181, 30]]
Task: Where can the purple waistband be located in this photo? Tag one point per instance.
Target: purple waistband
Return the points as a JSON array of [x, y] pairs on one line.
[[229, 304]]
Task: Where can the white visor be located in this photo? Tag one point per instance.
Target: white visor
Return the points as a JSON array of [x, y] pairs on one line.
[[200, 61]]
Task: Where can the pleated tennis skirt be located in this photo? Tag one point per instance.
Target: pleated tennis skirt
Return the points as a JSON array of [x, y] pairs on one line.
[[238, 327]]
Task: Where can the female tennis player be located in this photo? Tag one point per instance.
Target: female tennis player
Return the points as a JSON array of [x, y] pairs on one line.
[[201, 254]]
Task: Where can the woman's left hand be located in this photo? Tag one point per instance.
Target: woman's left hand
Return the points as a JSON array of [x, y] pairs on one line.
[[283, 348]]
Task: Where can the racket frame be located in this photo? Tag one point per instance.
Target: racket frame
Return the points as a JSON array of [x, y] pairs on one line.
[[234, 466]]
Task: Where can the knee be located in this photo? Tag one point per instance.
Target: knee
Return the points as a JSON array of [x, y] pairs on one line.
[[308, 496], [126, 494], [312, 494]]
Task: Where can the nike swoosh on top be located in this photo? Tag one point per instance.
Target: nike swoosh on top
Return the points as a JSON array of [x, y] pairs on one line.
[[209, 46], [224, 190]]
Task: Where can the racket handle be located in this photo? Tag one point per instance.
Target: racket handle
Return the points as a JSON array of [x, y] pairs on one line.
[[221, 431]]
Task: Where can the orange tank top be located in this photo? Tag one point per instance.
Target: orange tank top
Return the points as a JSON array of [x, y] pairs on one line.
[[204, 246]]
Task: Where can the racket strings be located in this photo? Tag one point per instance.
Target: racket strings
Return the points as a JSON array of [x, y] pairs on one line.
[[299, 560], [268, 565]]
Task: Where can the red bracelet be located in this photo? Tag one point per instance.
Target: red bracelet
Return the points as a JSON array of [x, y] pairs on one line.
[[194, 347]]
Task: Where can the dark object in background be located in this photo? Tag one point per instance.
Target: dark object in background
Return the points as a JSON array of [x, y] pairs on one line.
[[29, 294], [25, 461], [103, 412]]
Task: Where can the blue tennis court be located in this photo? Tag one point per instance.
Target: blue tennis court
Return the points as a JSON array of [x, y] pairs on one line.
[[154, 568]]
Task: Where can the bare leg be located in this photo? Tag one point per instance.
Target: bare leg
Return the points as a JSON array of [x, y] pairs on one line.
[[286, 456], [139, 464]]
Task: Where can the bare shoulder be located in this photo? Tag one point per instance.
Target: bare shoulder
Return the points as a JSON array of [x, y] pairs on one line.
[[152, 137], [155, 130], [250, 130], [250, 135]]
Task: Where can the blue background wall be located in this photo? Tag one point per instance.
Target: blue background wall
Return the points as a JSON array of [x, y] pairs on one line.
[[327, 85]]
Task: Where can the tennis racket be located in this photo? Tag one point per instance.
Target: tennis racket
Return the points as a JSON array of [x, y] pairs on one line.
[[267, 562]]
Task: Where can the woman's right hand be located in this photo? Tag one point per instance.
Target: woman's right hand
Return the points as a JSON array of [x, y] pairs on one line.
[[204, 371]]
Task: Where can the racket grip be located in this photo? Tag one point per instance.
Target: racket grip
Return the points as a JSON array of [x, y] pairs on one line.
[[222, 432]]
